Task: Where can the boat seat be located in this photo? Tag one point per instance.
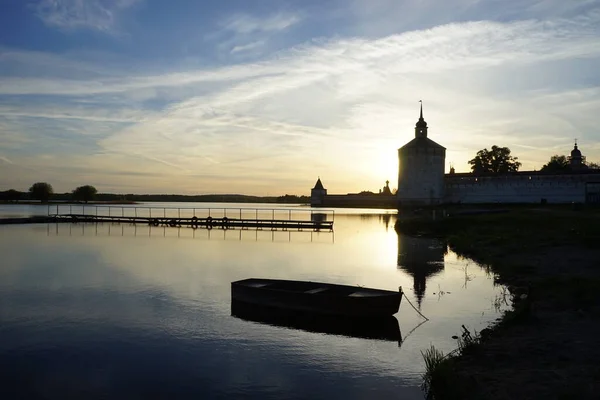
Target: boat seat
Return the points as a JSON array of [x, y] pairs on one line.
[[317, 290]]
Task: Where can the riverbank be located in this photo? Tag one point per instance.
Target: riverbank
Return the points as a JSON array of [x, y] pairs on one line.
[[547, 347]]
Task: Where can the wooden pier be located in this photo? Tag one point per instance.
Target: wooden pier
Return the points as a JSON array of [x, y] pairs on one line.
[[205, 218]]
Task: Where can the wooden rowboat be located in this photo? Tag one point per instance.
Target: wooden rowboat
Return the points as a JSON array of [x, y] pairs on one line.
[[380, 328], [317, 298]]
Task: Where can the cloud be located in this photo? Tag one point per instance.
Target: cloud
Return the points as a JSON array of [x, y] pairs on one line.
[[339, 107], [245, 35], [246, 24], [253, 46], [100, 15]]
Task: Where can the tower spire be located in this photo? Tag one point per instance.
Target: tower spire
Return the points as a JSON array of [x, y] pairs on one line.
[[421, 127]]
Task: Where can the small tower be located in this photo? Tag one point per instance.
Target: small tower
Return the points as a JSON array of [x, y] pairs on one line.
[[386, 189], [421, 169], [576, 160], [317, 194]]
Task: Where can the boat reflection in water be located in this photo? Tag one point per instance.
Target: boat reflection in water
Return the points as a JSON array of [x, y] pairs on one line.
[[382, 328]]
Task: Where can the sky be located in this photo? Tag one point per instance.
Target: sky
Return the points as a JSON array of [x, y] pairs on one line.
[[261, 97]]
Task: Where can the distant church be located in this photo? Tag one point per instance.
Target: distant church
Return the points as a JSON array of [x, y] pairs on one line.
[[422, 181]]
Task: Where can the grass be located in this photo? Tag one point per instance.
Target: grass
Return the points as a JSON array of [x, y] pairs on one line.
[[439, 379], [438, 373]]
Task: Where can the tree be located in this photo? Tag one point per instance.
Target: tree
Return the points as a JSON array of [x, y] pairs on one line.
[[593, 165], [557, 164], [496, 160], [12, 195], [84, 193], [41, 191]]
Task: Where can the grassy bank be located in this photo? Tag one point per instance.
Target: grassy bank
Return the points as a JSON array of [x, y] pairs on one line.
[[546, 347]]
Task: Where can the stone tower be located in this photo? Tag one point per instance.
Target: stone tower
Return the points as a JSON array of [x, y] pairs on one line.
[[421, 169], [317, 194]]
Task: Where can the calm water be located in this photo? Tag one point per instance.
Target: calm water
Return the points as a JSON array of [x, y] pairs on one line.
[[117, 311]]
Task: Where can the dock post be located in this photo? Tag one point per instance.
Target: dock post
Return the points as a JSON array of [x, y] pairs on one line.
[[179, 212]]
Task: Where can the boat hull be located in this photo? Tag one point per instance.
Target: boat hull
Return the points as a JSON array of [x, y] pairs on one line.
[[316, 298], [379, 328]]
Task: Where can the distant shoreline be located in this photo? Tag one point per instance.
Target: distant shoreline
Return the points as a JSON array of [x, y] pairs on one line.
[[38, 203], [110, 198]]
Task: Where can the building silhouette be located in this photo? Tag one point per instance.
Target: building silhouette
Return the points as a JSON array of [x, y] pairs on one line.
[[422, 181], [421, 168]]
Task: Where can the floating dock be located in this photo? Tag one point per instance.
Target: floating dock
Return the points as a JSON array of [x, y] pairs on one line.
[[207, 223], [206, 218]]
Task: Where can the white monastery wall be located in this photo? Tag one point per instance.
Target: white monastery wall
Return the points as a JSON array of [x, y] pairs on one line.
[[518, 189]]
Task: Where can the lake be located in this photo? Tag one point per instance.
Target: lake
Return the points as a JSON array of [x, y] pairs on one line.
[[123, 311]]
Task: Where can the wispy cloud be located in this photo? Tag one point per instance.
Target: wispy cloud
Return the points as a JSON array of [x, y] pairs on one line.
[[336, 106], [252, 46], [98, 15], [246, 24], [249, 35]]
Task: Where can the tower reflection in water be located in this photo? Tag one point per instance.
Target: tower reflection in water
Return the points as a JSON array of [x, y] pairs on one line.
[[422, 258]]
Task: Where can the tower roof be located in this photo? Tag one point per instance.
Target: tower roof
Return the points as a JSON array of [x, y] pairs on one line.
[[422, 142], [319, 185]]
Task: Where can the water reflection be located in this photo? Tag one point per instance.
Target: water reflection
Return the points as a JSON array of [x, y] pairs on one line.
[[385, 328], [421, 258], [133, 230], [130, 312]]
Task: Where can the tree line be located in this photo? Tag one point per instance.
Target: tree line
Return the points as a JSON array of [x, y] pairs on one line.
[[43, 192], [499, 160]]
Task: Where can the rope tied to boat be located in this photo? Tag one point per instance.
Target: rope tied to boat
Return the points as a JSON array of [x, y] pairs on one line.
[[411, 304]]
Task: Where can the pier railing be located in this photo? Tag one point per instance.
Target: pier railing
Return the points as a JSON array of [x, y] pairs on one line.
[[302, 214], [234, 217], [137, 230]]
